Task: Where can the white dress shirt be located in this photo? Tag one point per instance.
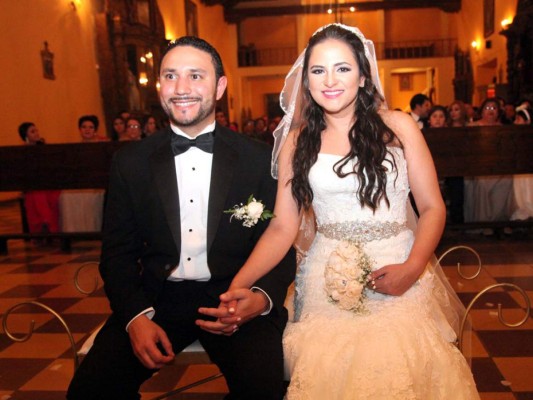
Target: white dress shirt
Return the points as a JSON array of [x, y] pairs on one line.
[[193, 170], [417, 119]]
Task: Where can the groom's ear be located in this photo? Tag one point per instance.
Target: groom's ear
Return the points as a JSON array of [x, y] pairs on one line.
[[221, 86]]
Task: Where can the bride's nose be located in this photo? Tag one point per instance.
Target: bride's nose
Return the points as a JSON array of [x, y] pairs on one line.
[[330, 79]]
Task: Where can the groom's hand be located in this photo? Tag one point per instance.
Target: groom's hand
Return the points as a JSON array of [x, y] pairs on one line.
[[237, 307], [150, 343]]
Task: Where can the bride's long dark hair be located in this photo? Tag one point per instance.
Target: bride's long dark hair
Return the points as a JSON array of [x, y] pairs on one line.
[[368, 137]]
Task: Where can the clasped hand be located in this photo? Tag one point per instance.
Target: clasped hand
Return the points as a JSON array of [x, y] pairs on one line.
[[393, 279], [236, 307]]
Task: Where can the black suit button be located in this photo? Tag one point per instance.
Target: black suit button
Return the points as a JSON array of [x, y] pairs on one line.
[[167, 267]]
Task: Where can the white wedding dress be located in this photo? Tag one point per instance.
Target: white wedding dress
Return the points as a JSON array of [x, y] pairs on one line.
[[402, 347]]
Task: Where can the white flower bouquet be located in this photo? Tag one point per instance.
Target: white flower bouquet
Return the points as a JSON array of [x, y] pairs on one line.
[[251, 213], [346, 276]]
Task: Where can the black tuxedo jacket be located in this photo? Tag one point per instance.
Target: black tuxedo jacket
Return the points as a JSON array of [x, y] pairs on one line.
[[142, 234]]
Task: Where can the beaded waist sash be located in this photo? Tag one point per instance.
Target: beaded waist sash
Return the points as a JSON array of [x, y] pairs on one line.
[[361, 231]]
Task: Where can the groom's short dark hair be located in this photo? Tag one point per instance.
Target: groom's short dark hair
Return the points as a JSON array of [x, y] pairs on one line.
[[199, 44]]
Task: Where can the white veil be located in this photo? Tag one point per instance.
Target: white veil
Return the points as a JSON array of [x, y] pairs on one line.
[[448, 311], [290, 98]]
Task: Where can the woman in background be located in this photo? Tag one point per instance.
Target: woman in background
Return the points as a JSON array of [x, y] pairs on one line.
[[88, 127], [118, 128], [489, 198], [42, 206], [437, 117], [149, 126], [133, 129], [457, 116]]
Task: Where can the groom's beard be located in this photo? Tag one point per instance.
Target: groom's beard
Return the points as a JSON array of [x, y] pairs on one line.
[[207, 107]]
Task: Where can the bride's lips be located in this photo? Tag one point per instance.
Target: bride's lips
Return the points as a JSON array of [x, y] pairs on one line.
[[332, 94]]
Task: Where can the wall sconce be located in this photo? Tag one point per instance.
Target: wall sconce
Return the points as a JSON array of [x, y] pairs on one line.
[[476, 45], [75, 4], [143, 79], [506, 22]]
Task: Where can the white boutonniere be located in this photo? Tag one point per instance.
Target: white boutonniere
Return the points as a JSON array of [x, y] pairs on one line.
[[251, 213]]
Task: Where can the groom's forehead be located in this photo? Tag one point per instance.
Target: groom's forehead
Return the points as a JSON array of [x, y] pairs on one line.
[[188, 57]]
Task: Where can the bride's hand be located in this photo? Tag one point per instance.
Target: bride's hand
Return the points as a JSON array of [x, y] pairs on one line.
[[393, 279]]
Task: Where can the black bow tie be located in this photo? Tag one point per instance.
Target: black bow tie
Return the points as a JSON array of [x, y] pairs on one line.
[[180, 144]]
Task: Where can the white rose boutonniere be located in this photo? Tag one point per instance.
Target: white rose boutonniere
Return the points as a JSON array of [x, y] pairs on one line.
[[346, 275], [251, 213]]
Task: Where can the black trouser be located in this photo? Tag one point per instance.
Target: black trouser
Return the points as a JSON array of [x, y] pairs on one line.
[[251, 359]]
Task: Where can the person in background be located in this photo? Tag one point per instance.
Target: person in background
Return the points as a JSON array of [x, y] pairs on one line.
[[457, 117], [118, 128], [420, 106], [489, 113], [523, 116], [437, 117], [454, 186], [220, 117], [41, 206], [508, 114], [248, 128], [133, 129], [259, 127], [88, 127], [471, 113], [523, 183], [489, 198], [149, 126]]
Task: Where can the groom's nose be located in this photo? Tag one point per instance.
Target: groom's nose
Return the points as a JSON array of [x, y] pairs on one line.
[[182, 86]]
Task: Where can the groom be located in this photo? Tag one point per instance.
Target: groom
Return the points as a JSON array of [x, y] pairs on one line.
[[168, 247]]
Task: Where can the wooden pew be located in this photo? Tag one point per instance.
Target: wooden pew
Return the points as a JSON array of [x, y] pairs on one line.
[[55, 166], [472, 151], [482, 151]]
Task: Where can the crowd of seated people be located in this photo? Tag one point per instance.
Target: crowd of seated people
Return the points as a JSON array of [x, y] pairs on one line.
[[482, 198], [486, 198]]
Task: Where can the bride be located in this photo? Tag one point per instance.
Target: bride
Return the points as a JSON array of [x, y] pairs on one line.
[[372, 319]]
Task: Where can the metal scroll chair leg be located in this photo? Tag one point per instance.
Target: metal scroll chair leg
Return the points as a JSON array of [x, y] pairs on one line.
[[32, 326], [469, 249], [500, 315], [77, 277]]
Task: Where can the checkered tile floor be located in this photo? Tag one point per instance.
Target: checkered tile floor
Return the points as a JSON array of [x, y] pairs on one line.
[[40, 368]]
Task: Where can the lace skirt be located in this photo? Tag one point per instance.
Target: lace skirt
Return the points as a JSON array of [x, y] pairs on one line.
[[398, 349]]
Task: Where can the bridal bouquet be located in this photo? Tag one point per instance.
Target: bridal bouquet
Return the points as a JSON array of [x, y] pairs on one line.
[[346, 275]]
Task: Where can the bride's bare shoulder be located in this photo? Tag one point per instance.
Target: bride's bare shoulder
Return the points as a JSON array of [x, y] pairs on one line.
[[395, 119]]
